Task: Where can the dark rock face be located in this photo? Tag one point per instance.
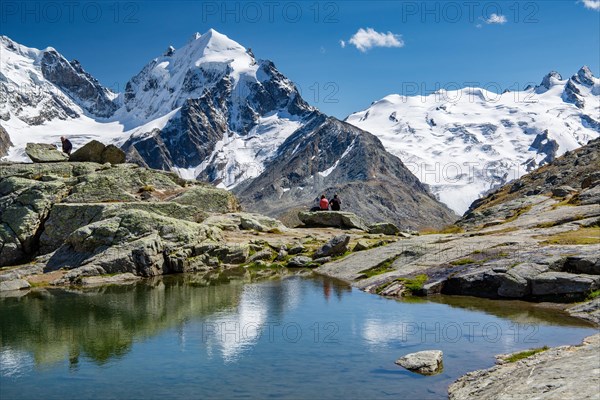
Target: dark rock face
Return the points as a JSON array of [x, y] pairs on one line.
[[81, 86], [330, 156], [5, 142], [543, 145]]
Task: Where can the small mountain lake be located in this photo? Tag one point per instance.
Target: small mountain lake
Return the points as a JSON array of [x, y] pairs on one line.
[[177, 338]]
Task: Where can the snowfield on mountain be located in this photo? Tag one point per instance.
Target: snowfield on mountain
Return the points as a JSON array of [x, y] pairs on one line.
[[466, 142]]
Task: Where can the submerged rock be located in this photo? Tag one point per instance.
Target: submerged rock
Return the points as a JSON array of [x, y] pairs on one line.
[[428, 362]]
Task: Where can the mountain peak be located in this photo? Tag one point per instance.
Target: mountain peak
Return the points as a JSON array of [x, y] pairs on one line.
[[552, 78], [585, 76]]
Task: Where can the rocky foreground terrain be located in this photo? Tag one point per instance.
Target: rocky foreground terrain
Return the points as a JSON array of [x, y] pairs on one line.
[[537, 239]]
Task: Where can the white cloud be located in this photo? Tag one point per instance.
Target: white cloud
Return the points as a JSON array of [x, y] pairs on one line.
[[496, 19], [479, 26], [365, 39], [591, 4], [343, 43]]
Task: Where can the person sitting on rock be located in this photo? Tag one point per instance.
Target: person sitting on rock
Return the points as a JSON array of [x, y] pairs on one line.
[[335, 203], [324, 203], [67, 146]]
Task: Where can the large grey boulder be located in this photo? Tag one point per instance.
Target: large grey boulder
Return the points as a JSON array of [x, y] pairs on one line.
[[66, 218], [334, 219], [98, 152], [335, 247], [260, 223], [428, 362], [43, 153], [209, 199], [5, 142], [385, 228], [134, 241], [300, 262], [16, 284]]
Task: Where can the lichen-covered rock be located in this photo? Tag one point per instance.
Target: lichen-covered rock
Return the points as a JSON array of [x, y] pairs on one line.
[[260, 223], [300, 262], [66, 218], [385, 228], [24, 206], [334, 219], [133, 241], [209, 199], [43, 153], [335, 247]]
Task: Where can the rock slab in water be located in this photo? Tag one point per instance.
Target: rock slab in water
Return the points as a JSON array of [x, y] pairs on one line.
[[334, 219], [43, 153], [428, 362]]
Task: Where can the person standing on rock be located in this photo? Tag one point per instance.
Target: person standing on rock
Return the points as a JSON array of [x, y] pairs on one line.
[[335, 203], [324, 203], [67, 146]]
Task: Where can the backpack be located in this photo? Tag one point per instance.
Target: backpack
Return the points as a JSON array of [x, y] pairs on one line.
[[324, 204]]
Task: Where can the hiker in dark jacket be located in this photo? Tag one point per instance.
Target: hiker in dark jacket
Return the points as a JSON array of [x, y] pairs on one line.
[[67, 146], [335, 203]]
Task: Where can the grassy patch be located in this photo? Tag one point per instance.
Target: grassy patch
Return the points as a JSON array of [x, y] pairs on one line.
[[463, 261], [581, 236], [414, 284], [381, 268], [593, 295], [147, 188], [498, 231], [524, 354], [445, 230], [517, 214], [568, 202]]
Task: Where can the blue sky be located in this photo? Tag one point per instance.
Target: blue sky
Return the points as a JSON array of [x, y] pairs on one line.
[[432, 44]]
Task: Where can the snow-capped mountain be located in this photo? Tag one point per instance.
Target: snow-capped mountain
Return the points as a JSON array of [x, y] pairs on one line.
[[211, 110], [231, 111], [464, 143]]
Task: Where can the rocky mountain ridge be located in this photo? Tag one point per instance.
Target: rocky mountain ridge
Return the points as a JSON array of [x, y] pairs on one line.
[[211, 111]]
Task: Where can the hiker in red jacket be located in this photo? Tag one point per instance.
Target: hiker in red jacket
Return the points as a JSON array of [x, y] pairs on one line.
[[324, 203]]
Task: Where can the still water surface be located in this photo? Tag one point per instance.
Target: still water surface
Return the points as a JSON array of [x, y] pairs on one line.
[[291, 338]]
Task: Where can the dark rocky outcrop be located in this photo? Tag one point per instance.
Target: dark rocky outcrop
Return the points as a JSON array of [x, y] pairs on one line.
[[77, 83], [331, 156], [97, 152], [5, 142]]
